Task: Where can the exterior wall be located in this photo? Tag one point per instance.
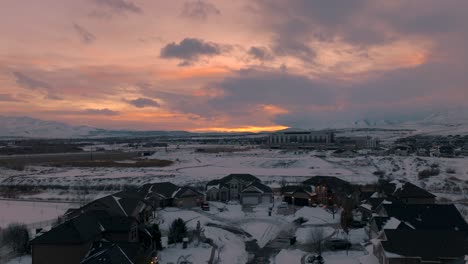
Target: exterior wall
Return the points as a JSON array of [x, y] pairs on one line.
[[187, 202], [212, 194], [59, 254]]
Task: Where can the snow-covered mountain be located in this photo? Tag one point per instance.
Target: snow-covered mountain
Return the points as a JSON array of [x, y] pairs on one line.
[[35, 128]]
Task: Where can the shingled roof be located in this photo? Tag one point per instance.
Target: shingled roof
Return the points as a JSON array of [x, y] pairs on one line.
[[84, 228], [428, 245], [104, 252], [427, 216], [262, 188], [164, 189], [224, 180], [402, 189]]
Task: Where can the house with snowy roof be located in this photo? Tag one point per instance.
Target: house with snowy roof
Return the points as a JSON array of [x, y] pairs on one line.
[[70, 241], [126, 203], [165, 194], [245, 188], [402, 246]]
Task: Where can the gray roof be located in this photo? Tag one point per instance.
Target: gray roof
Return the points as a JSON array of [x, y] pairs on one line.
[[260, 186], [429, 245], [104, 252]]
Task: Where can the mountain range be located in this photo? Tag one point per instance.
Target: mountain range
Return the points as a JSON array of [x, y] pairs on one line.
[[27, 127]]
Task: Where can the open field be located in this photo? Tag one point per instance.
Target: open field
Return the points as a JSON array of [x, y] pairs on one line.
[[271, 166]]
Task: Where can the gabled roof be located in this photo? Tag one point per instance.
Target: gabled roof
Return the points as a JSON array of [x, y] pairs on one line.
[[329, 181], [291, 189], [116, 204], [258, 187], [402, 189], [428, 216], [428, 245], [163, 189], [78, 230], [221, 182], [104, 252], [180, 192]]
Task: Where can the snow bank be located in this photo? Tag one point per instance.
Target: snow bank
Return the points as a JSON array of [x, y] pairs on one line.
[[263, 232], [231, 246], [303, 233], [200, 254], [288, 256], [315, 216]]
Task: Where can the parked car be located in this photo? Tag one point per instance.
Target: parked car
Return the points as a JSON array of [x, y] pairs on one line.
[[283, 205], [336, 244], [205, 206]]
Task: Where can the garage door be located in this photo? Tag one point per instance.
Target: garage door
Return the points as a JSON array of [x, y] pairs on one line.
[[266, 199], [249, 200]]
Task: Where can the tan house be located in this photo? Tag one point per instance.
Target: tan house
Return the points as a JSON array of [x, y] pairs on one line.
[[229, 188], [256, 193]]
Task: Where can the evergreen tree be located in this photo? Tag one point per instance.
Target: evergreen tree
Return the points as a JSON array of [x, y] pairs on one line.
[[177, 231], [156, 236]]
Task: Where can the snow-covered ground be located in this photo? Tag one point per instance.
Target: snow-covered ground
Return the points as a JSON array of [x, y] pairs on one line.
[[193, 253], [21, 260], [29, 212], [231, 247], [271, 166]]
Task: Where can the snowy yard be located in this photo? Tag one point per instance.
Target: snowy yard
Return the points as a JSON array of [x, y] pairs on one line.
[[262, 231], [195, 254], [30, 212], [231, 247], [315, 216]]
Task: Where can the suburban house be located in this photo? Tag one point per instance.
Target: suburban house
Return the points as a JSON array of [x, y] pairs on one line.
[[229, 188], [165, 194], [159, 194], [256, 193], [120, 204], [187, 197], [402, 246], [426, 216], [331, 190], [70, 241], [299, 195]]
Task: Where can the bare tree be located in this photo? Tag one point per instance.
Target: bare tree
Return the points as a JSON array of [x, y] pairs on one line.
[[317, 239]]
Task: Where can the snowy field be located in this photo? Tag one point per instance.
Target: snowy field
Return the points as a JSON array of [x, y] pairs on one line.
[[29, 213], [271, 166]]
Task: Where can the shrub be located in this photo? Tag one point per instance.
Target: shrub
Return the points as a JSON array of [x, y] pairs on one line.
[[424, 174], [17, 237]]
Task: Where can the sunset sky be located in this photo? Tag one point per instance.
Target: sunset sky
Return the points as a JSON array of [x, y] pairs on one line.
[[231, 65]]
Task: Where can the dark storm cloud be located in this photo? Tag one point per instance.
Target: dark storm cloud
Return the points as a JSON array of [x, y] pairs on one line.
[[104, 112], [199, 10], [190, 50], [28, 82], [9, 98], [260, 53], [245, 91], [119, 6], [143, 102], [84, 35]]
